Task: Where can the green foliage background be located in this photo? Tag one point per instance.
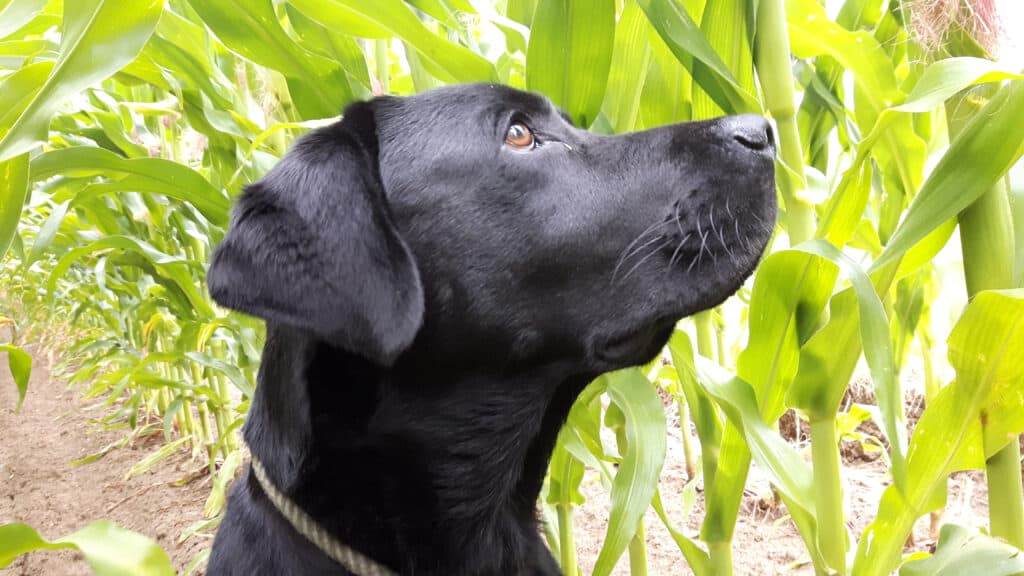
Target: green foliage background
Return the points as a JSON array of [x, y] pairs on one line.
[[126, 128]]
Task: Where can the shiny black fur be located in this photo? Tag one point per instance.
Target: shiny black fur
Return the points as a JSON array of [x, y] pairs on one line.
[[435, 301]]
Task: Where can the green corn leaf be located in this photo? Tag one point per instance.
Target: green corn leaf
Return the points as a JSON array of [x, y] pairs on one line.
[[522, 11], [218, 494], [152, 459], [109, 549], [683, 36], [232, 372], [448, 62], [978, 157], [48, 231], [177, 272], [696, 558], [812, 33], [13, 193], [667, 92], [16, 13], [724, 23], [251, 29], [703, 412], [438, 10], [100, 37], [569, 54], [944, 79], [818, 392], [153, 175], [636, 481], [983, 348], [964, 552], [338, 47], [630, 63], [20, 364], [773, 454]]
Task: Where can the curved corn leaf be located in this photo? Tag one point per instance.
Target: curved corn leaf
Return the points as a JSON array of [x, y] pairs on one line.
[[812, 33], [724, 23], [818, 392], [13, 192], [682, 35], [176, 270], [964, 552], [48, 231], [251, 29], [570, 53], [20, 364], [978, 157], [338, 47], [109, 549], [779, 459], [16, 13], [147, 175], [448, 62], [627, 76], [218, 494], [983, 348], [99, 38], [636, 481], [697, 559], [944, 79]]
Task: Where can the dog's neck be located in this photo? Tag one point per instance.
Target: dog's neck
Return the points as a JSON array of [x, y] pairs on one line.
[[406, 465]]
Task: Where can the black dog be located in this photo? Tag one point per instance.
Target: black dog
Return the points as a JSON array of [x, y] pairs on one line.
[[441, 275]]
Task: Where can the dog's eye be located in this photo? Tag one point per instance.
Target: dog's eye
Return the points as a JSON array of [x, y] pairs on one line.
[[519, 136]]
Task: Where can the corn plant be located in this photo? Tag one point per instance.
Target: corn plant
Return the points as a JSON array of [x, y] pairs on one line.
[[126, 129]]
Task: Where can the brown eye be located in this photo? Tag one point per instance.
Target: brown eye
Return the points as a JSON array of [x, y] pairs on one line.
[[519, 136]]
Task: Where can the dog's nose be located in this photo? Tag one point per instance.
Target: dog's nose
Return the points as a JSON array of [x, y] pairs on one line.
[[752, 131]]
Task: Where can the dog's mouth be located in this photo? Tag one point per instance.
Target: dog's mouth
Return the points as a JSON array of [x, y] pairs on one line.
[[694, 258], [634, 346]]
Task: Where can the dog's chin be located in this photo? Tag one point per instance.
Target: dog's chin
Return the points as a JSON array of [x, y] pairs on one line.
[[636, 346]]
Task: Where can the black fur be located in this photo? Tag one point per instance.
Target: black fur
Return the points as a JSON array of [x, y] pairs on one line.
[[436, 300]]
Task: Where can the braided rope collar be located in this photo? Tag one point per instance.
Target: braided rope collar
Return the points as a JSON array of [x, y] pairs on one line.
[[304, 524]]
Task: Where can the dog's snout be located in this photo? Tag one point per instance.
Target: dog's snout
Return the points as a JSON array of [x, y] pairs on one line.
[[752, 131]]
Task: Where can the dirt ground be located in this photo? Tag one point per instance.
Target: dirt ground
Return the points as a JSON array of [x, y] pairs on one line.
[[38, 485]]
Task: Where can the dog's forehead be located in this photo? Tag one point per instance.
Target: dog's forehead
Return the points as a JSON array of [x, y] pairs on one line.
[[474, 102]]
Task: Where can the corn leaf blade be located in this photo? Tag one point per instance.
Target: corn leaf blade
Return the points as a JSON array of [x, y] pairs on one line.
[[100, 37], [109, 549], [569, 54], [636, 481]]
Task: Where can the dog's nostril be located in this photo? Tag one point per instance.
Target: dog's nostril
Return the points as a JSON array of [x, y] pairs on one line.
[[753, 132]]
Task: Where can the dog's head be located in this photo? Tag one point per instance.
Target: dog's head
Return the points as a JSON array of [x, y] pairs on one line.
[[476, 220]]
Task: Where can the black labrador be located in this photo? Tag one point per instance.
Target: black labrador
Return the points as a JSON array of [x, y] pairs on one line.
[[441, 275]]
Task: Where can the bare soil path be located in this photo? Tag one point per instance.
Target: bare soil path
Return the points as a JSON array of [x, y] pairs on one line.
[[38, 484]]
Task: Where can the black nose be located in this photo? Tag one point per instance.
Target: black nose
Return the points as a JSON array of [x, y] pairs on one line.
[[752, 131]]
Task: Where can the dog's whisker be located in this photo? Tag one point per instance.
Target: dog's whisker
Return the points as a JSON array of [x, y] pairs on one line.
[[672, 260], [703, 245], [679, 224], [742, 238], [721, 238], [645, 258], [634, 252], [727, 211], [692, 262], [627, 251], [711, 222]]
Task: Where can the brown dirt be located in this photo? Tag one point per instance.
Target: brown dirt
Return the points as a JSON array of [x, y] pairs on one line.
[[39, 486]]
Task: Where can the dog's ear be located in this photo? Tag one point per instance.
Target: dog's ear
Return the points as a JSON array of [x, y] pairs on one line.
[[312, 245]]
